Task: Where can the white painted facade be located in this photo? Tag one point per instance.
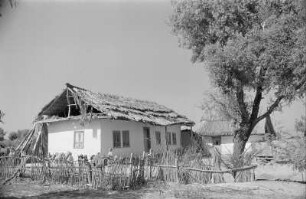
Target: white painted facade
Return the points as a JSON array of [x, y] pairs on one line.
[[98, 137], [226, 145]]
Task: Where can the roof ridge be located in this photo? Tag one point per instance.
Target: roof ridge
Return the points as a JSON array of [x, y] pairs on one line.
[[215, 120], [72, 86]]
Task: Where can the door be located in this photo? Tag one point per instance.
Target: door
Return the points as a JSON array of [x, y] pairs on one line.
[[147, 139]]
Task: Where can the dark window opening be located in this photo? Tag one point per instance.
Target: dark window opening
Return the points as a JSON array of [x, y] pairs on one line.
[[216, 140], [174, 138], [158, 137], [147, 139], [168, 138], [125, 139], [116, 139]]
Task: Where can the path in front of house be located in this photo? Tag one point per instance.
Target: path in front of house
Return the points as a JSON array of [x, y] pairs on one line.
[[254, 190]]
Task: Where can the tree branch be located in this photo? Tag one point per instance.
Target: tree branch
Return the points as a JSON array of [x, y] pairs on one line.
[[256, 103], [277, 101], [258, 96], [270, 109]]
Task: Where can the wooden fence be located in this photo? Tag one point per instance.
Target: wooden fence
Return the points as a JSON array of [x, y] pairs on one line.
[[114, 175], [175, 173]]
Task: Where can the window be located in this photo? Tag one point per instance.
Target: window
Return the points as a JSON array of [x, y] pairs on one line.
[[216, 140], [116, 139], [174, 138], [168, 138], [125, 138], [78, 140], [158, 138], [146, 139]]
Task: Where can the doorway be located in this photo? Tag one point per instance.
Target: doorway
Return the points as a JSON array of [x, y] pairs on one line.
[[147, 139]]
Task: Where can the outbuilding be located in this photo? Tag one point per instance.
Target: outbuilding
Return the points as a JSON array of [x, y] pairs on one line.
[[220, 133]]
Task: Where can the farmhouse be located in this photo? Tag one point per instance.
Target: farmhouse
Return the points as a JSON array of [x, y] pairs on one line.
[[220, 133], [84, 122]]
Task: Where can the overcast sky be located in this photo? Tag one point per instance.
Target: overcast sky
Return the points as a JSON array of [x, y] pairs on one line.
[[120, 47]]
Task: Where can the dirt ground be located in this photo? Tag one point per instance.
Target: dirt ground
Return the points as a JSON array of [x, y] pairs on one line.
[[254, 190]]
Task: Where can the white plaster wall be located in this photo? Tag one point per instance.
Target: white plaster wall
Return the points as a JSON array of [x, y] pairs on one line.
[[136, 137], [61, 137], [227, 143]]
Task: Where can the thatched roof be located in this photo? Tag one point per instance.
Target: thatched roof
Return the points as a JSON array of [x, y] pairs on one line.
[[221, 128], [83, 102]]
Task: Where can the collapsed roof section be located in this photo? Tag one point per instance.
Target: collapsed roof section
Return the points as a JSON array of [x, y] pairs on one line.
[[79, 103]]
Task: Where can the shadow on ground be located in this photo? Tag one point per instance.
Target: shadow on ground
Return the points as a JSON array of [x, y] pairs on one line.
[[88, 194]]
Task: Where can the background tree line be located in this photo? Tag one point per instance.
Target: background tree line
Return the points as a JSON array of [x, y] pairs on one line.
[[11, 139]]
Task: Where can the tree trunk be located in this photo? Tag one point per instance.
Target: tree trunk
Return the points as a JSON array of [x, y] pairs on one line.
[[239, 145], [240, 139]]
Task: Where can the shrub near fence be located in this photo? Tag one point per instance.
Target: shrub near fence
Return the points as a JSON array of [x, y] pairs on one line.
[[119, 174]]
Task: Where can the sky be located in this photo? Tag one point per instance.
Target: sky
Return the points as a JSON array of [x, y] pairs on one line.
[[118, 47]]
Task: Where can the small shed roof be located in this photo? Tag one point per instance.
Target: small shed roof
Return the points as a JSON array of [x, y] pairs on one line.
[[111, 107], [221, 128]]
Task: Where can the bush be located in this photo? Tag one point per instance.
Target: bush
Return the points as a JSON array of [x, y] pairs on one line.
[[292, 150], [13, 136]]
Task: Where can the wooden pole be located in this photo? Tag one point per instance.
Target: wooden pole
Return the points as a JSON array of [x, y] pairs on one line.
[[131, 168], [142, 165], [177, 170], [167, 141], [68, 102], [150, 163], [252, 175]]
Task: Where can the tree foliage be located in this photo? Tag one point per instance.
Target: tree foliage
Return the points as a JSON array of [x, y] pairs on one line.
[[2, 134], [1, 116], [18, 135], [6, 3], [13, 139], [300, 124], [13, 136], [253, 49]]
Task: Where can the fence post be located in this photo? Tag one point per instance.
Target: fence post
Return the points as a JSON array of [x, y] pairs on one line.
[[142, 166], [252, 175], [150, 158], [177, 170], [131, 168]]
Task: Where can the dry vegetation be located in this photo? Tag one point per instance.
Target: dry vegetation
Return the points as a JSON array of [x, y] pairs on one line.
[[254, 190], [192, 173]]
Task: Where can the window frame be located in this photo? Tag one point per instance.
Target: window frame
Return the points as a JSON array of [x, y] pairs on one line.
[[125, 132], [174, 139], [168, 138], [158, 137], [115, 143], [80, 143]]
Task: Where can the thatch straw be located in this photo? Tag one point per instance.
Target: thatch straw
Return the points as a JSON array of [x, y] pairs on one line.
[[222, 128], [82, 102]]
